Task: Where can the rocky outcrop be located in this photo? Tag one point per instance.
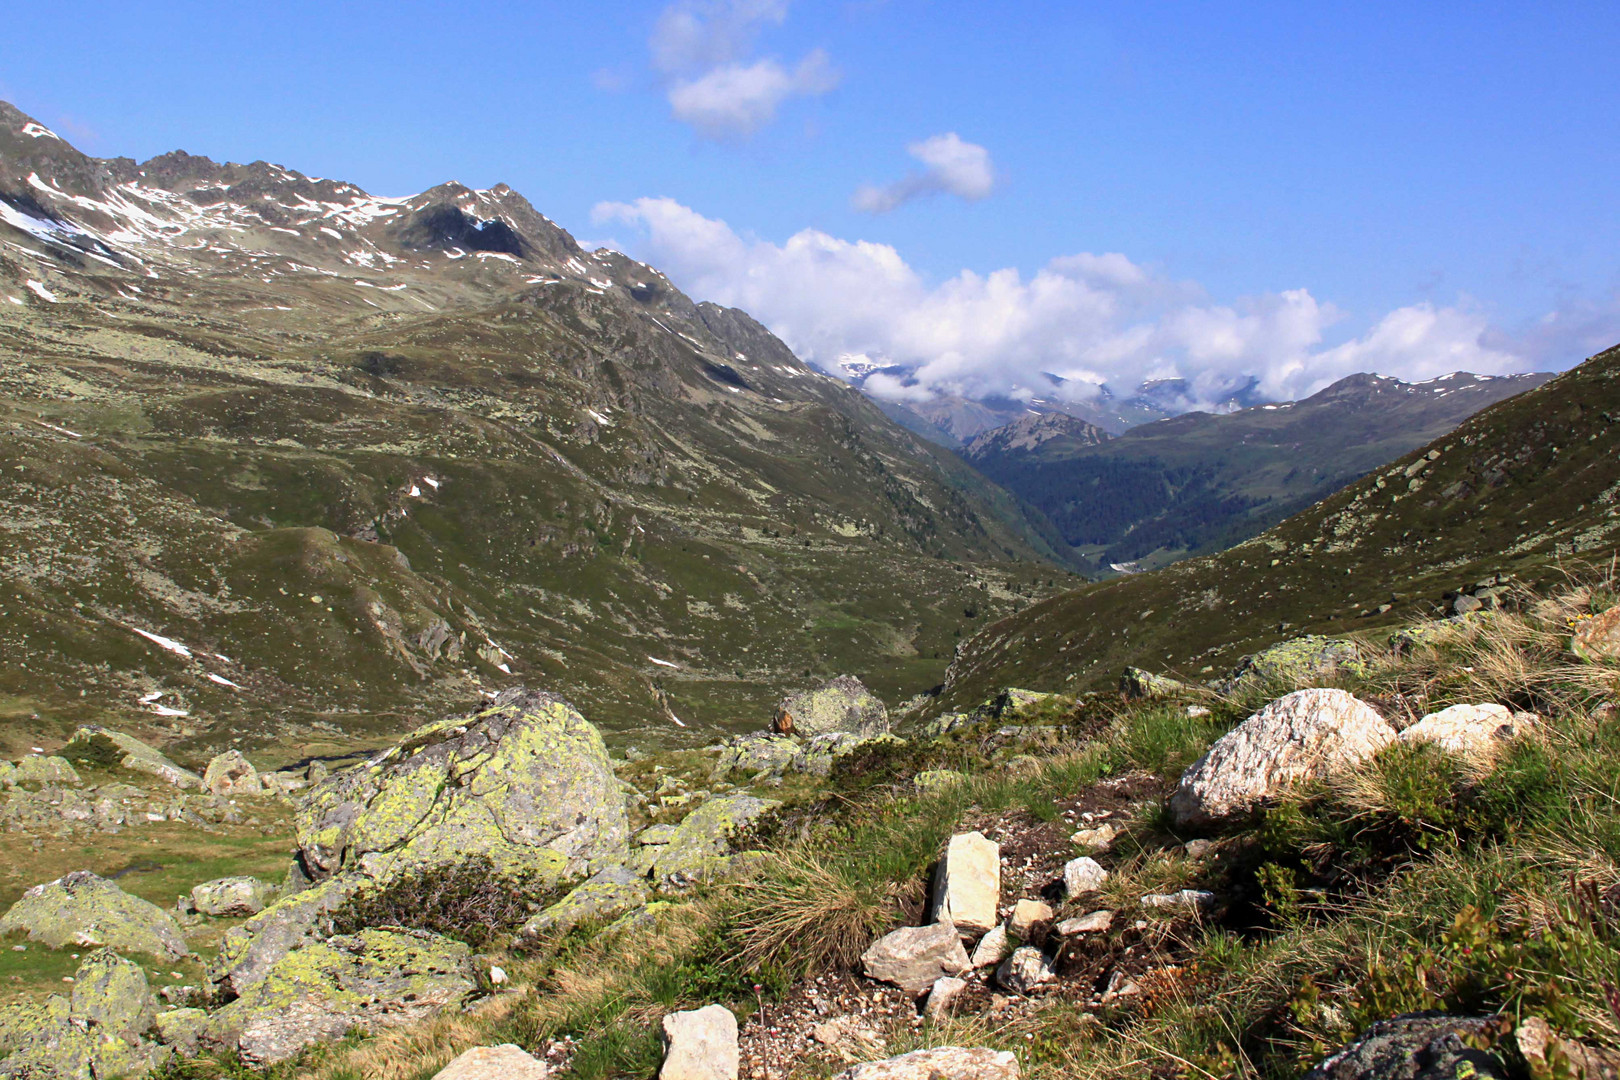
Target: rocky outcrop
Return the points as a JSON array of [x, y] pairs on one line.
[[603, 896], [84, 909], [100, 743], [698, 849], [1422, 1046], [504, 1062], [940, 1063], [1141, 685], [1472, 731], [526, 783], [820, 753], [1307, 659], [757, 753], [702, 1045], [46, 770], [248, 952], [1306, 735], [914, 956], [320, 991], [967, 885], [96, 1031], [841, 704], [232, 897], [231, 774]]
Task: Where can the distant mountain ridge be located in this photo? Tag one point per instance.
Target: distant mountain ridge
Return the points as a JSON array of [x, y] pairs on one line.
[[1202, 481]]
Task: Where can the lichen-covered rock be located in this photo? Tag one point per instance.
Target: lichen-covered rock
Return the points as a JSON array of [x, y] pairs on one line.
[[373, 980], [248, 952], [231, 774], [1012, 701], [605, 895], [504, 1062], [99, 742], [937, 779], [1306, 735], [840, 704], [1420, 1046], [1024, 970], [84, 909], [758, 753], [701, 842], [820, 753], [1289, 663], [940, 1063], [945, 723], [1146, 686], [47, 770], [526, 783], [1471, 731], [702, 1045], [94, 1032], [232, 897], [914, 956], [967, 885], [182, 1029]]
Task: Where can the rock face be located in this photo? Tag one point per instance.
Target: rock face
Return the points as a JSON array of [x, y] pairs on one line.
[[94, 1032], [941, 1063], [231, 774], [1300, 660], [1471, 731], [132, 754], [84, 909], [914, 956], [372, 980], [232, 897], [1306, 735], [504, 1062], [841, 704], [1421, 1046], [526, 782], [702, 1045], [967, 886], [250, 951], [697, 849]]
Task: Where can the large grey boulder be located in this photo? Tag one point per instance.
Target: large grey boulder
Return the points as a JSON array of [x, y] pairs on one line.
[[232, 897], [504, 1062], [97, 742], [967, 885], [940, 1063], [94, 1032], [87, 910], [526, 783], [372, 980], [702, 1045], [1476, 732], [820, 753], [249, 952], [914, 956], [1307, 659], [231, 774], [1420, 1046], [1303, 736], [757, 753], [699, 846], [840, 704]]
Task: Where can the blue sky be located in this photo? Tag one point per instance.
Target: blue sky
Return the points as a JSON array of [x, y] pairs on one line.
[[1110, 192]]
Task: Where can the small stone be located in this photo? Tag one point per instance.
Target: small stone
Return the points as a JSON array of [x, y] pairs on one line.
[[992, 948], [504, 1062], [967, 886], [848, 1038], [1083, 875], [1098, 839], [944, 994], [1198, 849], [1097, 922], [1186, 901], [1472, 731], [1024, 970], [914, 956], [1027, 915], [702, 1045]]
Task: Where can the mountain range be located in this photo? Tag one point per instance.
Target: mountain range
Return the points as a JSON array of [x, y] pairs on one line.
[[283, 456]]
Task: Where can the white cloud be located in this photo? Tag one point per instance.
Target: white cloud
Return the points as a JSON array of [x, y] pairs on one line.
[[1091, 319], [952, 165], [704, 49]]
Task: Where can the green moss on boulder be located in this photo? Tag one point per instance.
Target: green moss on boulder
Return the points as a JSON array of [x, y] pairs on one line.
[[85, 909], [94, 1032]]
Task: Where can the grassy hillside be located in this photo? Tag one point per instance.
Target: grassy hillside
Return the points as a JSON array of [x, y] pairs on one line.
[[1520, 490]]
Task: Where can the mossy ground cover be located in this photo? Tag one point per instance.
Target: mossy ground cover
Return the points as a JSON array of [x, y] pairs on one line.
[[1415, 881]]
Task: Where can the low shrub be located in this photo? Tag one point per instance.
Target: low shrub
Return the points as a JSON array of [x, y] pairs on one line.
[[470, 901]]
